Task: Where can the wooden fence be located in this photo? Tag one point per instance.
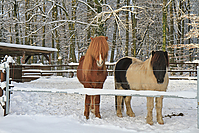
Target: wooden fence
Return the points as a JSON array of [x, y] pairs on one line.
[[69, 70], [24, 73]]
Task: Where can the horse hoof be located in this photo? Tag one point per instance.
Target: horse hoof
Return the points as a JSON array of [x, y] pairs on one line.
[[87, 117], [131, 114], [86, 114], [150, 122], [161, 122], [93, 111], [119, 115], [98, 116]]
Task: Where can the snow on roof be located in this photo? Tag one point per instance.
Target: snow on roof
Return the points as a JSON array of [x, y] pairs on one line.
[[194, 61], [9, 45], [10, 60]]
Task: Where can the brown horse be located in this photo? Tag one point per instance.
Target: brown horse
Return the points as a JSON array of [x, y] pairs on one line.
[[92, 73], [133, 74]]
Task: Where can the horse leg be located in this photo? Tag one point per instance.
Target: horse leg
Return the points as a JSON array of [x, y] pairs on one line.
[[150, 106], [159, 110], [97, 106], [92, 104], [119, 105], [87, 106], [129, 110]]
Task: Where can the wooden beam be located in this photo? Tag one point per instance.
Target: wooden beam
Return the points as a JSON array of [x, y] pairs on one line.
[[46, 56], [23, 58], [27, 59], [49, 58]]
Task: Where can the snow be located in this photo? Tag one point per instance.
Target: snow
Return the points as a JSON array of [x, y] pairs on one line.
[[92, 91], [9, 45], [107, 63], [10, 60], [45, 112], [5, 63], [52, 124], [194, 61]]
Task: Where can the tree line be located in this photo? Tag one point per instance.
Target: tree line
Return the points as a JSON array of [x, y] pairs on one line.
[[134, 27]]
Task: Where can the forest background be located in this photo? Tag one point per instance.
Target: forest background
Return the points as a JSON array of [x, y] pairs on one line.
[[133, 27]]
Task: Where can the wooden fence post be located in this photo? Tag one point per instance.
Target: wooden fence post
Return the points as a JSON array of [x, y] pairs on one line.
[[7, 105], [3, 78], [198, 96], [5, 89]]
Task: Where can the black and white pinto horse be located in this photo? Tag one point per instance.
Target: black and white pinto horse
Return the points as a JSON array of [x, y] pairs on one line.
[[133, 74]]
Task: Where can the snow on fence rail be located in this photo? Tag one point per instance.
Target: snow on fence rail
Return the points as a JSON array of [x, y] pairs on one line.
[[198, 96], [90, 91]]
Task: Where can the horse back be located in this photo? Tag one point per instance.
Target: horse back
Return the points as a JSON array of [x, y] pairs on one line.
[[140, 76], [134, 74]]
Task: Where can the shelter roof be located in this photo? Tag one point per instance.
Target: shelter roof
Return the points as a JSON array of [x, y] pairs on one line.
[[19, 50]]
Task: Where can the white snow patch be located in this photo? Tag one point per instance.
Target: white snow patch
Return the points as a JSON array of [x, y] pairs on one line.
[[59, 112]]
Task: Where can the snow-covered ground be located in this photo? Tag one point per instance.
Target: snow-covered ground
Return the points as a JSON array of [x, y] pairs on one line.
[[59, 112]]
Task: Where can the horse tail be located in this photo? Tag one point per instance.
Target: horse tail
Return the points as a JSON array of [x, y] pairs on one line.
[[79, 70], [120, 71]]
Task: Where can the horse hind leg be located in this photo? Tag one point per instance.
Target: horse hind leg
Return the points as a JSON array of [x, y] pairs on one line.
[[119, 101], [97, 106], [87, 106], [129, 110], [159, 110], [150, 106], [92, 107], [119, 105]]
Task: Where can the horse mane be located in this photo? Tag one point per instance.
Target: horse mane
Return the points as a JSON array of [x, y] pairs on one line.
[[98, 45], [160, 57]]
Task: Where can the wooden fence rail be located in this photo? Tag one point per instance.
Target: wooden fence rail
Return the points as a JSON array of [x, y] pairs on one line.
[[22, 73]]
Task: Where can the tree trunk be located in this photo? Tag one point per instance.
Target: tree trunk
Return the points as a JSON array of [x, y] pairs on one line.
[[1, 30], [16, 25], [43, 31], [127, 29], [53, 37], [100, 29], [179, 24], [189, 27], [72, 33], [171, 36], [134, 25], [10, 29], [56, 33], [90, 32], [114, 37], [164, 19], [27, 29]]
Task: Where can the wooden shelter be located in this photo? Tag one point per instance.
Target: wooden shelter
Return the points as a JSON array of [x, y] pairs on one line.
[[26, 51]]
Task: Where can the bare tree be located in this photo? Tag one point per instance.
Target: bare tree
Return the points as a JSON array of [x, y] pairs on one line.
[[136, 26]]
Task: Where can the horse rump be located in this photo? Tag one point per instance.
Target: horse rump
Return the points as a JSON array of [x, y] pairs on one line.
[[120, 80]]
